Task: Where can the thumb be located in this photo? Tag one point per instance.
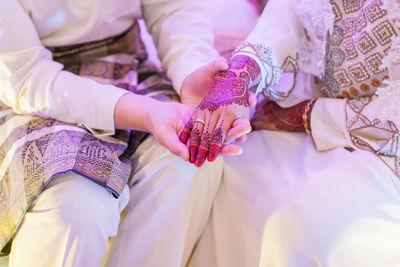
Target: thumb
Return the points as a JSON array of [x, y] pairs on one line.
[[172, 143], [252, 99], [218, 64]]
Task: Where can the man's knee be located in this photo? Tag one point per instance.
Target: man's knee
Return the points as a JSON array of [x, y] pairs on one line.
[[73, 202]]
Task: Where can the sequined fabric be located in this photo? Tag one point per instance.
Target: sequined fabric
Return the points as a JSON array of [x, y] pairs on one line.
[[360, 39]]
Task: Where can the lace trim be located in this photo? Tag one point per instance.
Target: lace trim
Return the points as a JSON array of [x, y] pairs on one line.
[[273, 72], [317, 19], [393, 56], [388, 100], [385, 141], [393, 8]]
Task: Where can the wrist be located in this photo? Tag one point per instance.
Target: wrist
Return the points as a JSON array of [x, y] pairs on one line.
[[133, 112], [247, 68], [307, 115]]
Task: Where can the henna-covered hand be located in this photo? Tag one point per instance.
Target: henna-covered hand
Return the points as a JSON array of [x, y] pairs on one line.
[[270, 116], [227, 101]]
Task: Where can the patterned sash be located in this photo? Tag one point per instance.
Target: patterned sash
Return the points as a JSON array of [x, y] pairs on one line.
[[34, 150]]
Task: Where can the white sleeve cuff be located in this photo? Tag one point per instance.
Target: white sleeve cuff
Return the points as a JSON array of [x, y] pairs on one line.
[[328, 124]]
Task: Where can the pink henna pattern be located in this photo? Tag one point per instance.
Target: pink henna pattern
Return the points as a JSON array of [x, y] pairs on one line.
[[226, 92], [204, 144], [216, 144], [203, 149], [185, 134], [230, 87], [195, 138]]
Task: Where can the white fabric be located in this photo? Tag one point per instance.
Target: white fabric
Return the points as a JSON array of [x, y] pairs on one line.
[[328, 124], [71, 222], [169, 208], [298, 29], [68, 225], [283, 204], [32, 83]]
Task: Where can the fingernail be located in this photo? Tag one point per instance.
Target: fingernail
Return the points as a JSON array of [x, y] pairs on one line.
[[193, 154], [213, 152], [201, 157], [184, 136], [198, 163], [211, 157]]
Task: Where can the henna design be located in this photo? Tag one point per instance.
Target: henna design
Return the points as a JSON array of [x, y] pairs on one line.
[[204, 145], [195, 138], [217, 137], [216, 143], [226, 92], [203, 149], [271, 116], [230, 87], [245, 76], [185, 134]]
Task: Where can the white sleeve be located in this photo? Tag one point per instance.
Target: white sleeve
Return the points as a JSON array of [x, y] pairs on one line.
[[369, 123], [328, 124], [32, 83], [274, 43], [279, 28], [294, 33], [183, 34]]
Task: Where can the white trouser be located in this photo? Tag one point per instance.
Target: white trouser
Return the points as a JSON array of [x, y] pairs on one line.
[[72, 221], [283, 204]]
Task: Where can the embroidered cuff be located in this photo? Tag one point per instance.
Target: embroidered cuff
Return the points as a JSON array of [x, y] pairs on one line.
[[271, 73]]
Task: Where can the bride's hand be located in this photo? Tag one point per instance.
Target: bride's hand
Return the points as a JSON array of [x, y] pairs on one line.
[[227, 101]]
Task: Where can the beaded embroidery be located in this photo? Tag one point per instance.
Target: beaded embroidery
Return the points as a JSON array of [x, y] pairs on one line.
[[356, 47], [386, 145]]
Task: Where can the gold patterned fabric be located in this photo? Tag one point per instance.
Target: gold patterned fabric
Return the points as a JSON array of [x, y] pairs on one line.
[[359, 40], [34, 150]]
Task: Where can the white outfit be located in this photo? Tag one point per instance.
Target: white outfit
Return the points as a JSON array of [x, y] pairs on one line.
[[32, 83], [293, 200], [72, 220]]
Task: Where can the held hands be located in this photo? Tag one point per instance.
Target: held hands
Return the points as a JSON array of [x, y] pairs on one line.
[[197, 84], [223, 113], [167, 119]]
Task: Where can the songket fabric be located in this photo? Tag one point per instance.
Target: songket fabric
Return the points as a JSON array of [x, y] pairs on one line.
[[332, 199], [63, 67], [35, 149]]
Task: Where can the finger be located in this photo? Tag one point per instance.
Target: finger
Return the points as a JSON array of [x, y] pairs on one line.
[[174, 145], [252, 99], [212, 119], [212, 68], [239, 128], [231, 150], [219, 136], [195, 137], [220, 64], [241, 139], [185, 133]]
